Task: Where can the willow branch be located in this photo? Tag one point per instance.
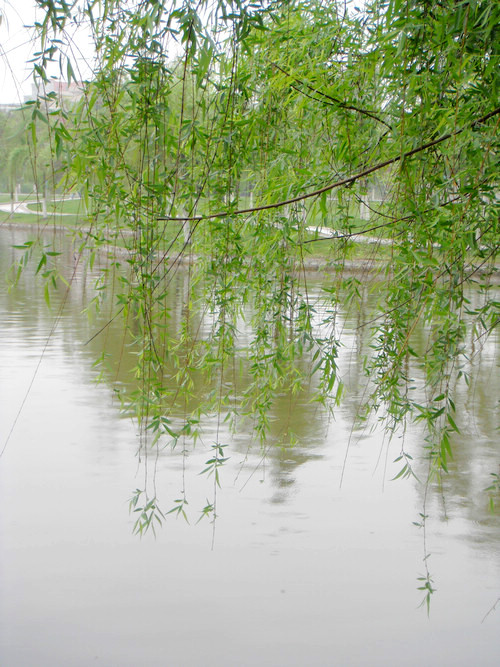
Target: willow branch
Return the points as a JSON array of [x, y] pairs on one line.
[[328, 99], [390, 222], [337, 184]]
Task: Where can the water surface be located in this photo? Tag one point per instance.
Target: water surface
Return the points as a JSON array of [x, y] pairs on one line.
[[303, 571]]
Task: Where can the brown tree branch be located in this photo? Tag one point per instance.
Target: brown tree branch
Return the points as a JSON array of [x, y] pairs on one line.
[[340, 183], [390, 222]]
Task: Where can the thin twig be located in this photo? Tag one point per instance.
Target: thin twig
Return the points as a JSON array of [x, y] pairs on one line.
[[490, 610], [332, 101]]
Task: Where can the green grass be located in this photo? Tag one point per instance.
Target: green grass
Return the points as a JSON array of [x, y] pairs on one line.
[[36, 218], [73, 206]]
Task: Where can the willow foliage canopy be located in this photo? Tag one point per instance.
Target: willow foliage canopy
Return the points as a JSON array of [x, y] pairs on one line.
[[222, 135]]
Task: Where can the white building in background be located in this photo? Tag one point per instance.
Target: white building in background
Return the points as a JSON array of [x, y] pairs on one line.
[[67, 93]]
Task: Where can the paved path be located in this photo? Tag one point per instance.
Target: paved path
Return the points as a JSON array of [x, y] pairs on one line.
[[18, 207], [327, 233], [22, 206]]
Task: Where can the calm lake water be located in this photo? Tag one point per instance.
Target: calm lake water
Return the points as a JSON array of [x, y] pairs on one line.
[[303, 571]]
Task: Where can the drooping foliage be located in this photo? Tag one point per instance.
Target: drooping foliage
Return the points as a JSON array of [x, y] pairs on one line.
[[223, 136]]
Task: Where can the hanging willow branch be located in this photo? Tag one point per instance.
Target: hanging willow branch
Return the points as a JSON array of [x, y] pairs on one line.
[[328, 99], [336, 184]]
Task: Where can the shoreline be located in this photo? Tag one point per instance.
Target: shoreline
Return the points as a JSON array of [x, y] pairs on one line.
[[365, 268]]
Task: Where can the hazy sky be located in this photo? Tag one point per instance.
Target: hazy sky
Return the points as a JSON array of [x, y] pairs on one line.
[[17, 46], [16, 49]]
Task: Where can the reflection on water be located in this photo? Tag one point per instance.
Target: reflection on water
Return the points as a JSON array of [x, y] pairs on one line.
[[303, 572]]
